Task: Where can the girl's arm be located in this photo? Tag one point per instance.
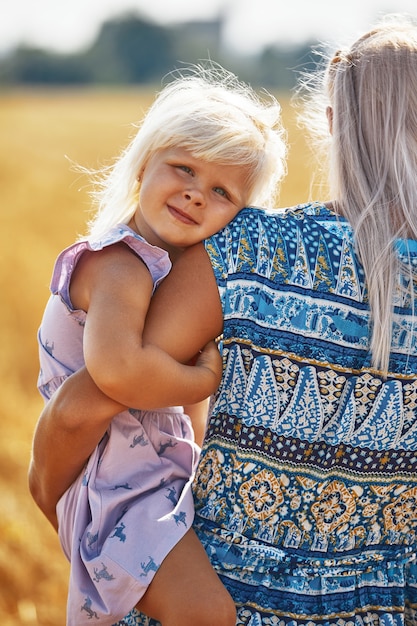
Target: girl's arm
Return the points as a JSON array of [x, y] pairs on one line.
[[187, 302], [184, 314], [115, 288]]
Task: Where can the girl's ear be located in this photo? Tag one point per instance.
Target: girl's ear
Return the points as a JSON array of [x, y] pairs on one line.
[[329, 114]]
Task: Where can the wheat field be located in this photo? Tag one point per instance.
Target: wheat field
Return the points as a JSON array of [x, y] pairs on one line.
[[44, 206]]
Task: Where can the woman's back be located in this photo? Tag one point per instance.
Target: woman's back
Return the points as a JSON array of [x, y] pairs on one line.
[[308, 477]]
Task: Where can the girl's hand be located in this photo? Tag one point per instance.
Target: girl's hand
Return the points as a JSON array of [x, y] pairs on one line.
[[209, 357]]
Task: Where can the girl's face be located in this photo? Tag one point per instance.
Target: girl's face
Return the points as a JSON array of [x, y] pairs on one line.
[[184, 200]]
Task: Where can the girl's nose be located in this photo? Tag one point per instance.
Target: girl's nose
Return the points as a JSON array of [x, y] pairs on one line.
[[195, 196]]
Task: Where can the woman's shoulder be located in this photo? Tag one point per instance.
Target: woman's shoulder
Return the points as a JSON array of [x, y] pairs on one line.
[[300, 211], [305, 233], [300, 216]]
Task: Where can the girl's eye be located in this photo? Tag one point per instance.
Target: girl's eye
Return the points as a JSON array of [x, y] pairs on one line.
[[185, 168], [221, 191]]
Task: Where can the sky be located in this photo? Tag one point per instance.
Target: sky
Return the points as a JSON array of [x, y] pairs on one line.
[[249, 24]]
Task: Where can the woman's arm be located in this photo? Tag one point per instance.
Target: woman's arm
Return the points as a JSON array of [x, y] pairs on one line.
[[184, 313]]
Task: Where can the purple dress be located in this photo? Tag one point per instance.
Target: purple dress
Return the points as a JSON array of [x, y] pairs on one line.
[[133, 501]]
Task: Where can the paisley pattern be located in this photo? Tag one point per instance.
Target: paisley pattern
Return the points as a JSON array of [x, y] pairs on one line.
[[306, 493]]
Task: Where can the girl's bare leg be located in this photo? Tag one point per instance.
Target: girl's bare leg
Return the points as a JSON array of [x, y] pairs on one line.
[[186, 591]]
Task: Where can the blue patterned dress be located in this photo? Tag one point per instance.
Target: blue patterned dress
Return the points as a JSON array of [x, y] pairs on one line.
[[306, 493]]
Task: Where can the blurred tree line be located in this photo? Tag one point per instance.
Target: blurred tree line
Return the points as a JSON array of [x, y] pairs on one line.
[[132, 50]]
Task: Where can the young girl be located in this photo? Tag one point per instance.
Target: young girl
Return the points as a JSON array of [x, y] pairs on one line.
[[207, 147]]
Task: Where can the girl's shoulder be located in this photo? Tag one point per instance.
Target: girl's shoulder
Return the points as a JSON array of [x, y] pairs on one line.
[[156, 259]]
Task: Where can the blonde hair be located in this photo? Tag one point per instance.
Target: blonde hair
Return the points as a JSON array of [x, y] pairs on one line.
[[208, 111], [371, 88]]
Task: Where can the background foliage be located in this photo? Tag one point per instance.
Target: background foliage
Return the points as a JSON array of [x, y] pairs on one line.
[[132, 50]]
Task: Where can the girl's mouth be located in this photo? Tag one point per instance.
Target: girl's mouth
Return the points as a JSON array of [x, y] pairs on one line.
[[181, 216]]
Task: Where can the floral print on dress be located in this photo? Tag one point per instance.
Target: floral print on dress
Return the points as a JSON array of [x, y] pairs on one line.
[[261, 495]]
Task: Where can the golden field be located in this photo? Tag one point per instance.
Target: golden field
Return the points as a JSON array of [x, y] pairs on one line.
[[44, 206]]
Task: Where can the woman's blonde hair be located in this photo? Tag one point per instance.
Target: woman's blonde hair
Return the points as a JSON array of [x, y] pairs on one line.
[[208, 111], [371, 89]]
